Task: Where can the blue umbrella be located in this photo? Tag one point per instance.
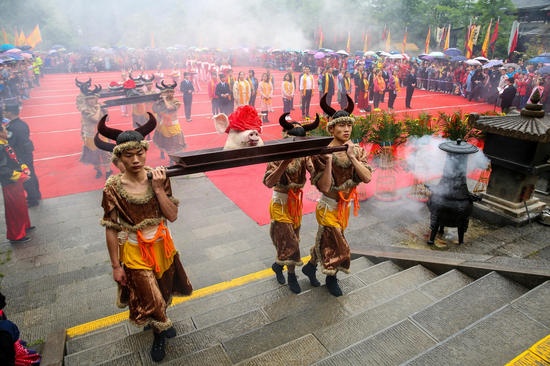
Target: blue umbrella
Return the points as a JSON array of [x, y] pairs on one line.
[[544, 70], [25, 48], [359, 53], [57, 46], [6, 47], [538, 59], [453, 52], [7, 57], [458, 58], [17, 57], [394, 52], [426, 57], [545, 55]]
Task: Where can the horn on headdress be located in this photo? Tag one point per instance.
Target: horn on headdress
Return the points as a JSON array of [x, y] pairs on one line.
[[160, 87], [78, 83], [130, 76], [164, 85], [350, 106], [173, 86], [106, 146], [325, 107], [314, 125], [148, 127], [84, 89], [110, 133], [287, 126]]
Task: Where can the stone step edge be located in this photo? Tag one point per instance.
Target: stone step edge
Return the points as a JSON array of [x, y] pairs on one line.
[[463, 330], [473, 265], [532, 351]]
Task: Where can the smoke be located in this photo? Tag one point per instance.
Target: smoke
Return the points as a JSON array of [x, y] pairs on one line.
[[427, 159]]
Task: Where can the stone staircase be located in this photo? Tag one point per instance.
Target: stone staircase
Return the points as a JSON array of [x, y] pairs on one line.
[[388, 316]]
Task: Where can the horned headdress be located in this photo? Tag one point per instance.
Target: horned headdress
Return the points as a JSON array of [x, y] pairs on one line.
[[341, 116]]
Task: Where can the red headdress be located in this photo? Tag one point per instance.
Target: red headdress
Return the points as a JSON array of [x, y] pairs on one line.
[[129, 84], [245, 118]]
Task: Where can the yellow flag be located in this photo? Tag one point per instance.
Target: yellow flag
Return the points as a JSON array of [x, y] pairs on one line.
[[404, 42], [34, 38], [470, 46], [388, 41], [349, 38], [447, 39], [22, 39], [5, 36], [365, 48], [485, 46], [427, 46]]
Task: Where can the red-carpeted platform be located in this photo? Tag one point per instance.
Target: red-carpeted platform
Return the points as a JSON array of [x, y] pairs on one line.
[[55, 130]]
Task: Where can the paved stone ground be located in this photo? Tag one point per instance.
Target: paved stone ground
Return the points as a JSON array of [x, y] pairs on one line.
[[62, 278]]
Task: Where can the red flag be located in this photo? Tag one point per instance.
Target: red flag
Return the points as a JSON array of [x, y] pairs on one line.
[[321, 36], [384, 33], [335, 35], [442, 41], [368, 43], [349, 38], [514, 43], [494, 38], [427, 45]]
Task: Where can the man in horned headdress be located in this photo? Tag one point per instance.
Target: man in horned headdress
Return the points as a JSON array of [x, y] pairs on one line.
[[80, 97], [168, 136], [287, 178], [336, 176], [91, 113], [146, 265]]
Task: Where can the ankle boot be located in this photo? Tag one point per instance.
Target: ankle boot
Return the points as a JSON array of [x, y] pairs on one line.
[[278, 269], [170, 332], [293, 283], [98, 174], [159, 343], [333, 287], [162, 154], [309, 270]]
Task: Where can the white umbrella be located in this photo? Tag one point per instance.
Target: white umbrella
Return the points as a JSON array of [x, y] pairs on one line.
[[369, 53], [473, 62], [385, 54], [481, 59], [437, 54], [342, 52], [397, 56]]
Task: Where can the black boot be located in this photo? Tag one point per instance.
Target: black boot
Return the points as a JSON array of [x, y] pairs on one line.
[[170, 332], [333, 287], [278, 269], [108, 174], [162, 154], [159, 343], [309, 270], [293, 283], [98, 174]]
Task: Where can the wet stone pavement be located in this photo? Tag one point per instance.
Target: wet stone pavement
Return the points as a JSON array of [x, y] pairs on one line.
[[62, 277]]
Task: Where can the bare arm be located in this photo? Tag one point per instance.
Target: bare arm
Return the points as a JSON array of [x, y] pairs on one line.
[[168, 208], [112, 246], [274, 177], [325, 182], [363, 173], [169, 106]]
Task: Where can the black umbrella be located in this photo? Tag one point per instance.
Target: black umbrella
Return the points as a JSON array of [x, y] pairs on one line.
[[441, 59], [544, 55], [544, 70]]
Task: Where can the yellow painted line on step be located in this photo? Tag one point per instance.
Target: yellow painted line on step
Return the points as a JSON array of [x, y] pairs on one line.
[[117, 318], [538, 354]]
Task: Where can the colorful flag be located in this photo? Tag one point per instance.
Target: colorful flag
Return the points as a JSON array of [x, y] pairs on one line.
[[441, 42], [494, 37], [35, 37], [5, 36], [363, 36], [16, 38], [321, 36], [513, 42], [22, 39], [384, 33], [485, 46], [366, 43], [476, 33], [470, 46], [447, 39], [404, 42], [427, 46], [349, 38], [388, 41]]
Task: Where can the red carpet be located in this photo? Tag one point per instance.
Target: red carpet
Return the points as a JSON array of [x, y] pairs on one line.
[[55, 130]]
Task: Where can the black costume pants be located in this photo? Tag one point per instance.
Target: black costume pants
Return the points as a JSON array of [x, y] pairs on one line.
[[215, 106], [391, 98], [306, 100], [410, 91], [32, 186], [187, 101], [252, 101]]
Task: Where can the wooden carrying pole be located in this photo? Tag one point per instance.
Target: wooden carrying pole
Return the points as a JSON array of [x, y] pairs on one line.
[[217, 158]]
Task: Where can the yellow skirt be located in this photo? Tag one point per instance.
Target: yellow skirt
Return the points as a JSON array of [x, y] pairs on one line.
[[130, 255], [279, 212]]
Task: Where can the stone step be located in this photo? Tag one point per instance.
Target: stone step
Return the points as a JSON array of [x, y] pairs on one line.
[[462, 308], [190, 340], [95, 339], [127, 359], [255, 296], [333, 310], [211, 356], [200, 339], [390, 347], [535, 303], [302, 351], [493, 340], [358, 327]]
